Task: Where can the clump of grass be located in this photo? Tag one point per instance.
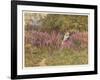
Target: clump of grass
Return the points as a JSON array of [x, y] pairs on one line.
[[57, 57]]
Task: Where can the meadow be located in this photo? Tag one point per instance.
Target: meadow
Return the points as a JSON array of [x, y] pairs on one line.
[[43, 42]]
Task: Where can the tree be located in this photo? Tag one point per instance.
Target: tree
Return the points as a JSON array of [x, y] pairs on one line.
[[64, 23]]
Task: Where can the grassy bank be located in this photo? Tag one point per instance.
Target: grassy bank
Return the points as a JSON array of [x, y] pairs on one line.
[[46, 56]]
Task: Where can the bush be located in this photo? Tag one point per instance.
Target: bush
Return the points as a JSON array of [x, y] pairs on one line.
[[43, 39], [77, 40], [53, 40]]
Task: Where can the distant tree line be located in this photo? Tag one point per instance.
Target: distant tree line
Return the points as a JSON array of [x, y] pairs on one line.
[[56, 22]]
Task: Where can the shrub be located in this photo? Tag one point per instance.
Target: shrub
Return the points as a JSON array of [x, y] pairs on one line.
[[43, 39], [77, 40]]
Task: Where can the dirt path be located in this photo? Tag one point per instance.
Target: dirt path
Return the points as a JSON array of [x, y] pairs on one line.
[[42, 63]]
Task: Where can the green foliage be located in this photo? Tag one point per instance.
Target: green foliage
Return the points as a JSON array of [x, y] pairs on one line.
[[77, 42], [65, 23], [57, 22]]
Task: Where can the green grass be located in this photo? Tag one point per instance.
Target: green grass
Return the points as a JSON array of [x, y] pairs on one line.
[[33, 56]]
